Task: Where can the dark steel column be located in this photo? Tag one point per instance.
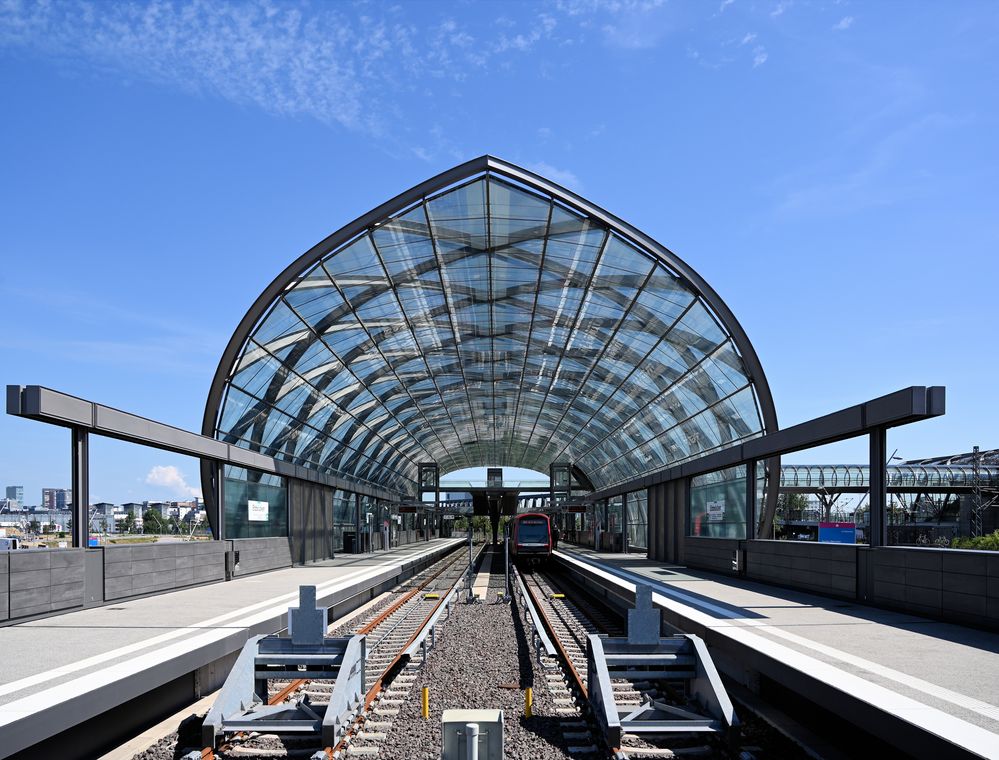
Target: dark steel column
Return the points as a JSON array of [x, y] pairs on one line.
[[358, 542], [651, 522], [219, 506], [751, 526], [624, 523], [879, 488], [81, 486]]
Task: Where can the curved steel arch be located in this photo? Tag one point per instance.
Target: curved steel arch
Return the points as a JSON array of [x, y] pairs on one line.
[[484, 165]]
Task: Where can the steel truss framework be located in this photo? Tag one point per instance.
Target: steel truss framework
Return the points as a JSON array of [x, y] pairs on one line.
[[488, 316]]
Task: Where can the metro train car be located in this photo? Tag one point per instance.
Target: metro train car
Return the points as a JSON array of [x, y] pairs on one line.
[[531, 538]]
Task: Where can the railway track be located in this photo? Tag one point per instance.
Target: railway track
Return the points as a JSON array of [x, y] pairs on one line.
[[389, 628], [569, 618]]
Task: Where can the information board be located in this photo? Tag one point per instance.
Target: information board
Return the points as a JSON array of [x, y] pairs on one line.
[[838, 532], [716, 510], [257, 510]]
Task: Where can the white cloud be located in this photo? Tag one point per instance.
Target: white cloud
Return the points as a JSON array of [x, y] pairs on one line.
[[563, 177], [340, 64], [759, 56], [843, 24], [169, 477], [782, 6], [750, 36], [725, 4]]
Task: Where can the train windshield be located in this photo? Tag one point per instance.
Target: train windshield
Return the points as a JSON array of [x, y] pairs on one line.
[[533, 532]]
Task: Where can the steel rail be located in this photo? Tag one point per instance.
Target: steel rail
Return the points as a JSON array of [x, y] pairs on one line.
[[208, 753], [556, 640], [539, 630], [379, 684]]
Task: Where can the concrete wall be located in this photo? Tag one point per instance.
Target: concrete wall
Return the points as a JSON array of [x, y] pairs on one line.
[[149, 568], [823, 568], [711, 553], [259, 554], [4, 586], [955, 585], [44, 581]]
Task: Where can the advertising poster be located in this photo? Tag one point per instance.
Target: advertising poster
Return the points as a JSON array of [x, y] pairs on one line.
[[716, 510]]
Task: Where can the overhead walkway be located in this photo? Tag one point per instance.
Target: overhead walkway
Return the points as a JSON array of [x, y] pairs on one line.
[[926, 687], [856, 478], [61, 672]]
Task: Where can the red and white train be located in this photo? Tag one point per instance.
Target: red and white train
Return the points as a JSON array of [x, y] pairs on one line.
[[531, 538]]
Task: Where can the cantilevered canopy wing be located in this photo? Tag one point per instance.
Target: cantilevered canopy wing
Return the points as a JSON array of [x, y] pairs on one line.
[[488, 316]]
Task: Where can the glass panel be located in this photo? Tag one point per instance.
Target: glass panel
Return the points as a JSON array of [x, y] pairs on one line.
[[718, 504], [488, 324], [638, 517], [255, 504]]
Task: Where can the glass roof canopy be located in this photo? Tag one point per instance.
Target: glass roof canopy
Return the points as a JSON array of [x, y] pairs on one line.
[[488, 317]]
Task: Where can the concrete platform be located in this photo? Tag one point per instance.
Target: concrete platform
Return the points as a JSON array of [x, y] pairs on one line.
[[58, 672], [908, 680]]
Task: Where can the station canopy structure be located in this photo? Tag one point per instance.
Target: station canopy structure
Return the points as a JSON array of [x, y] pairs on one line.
[[488, 317]]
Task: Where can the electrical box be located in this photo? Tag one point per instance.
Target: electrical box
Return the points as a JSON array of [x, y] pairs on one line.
[[454, 730]]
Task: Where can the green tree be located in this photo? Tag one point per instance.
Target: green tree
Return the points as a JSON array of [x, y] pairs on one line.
[[790, 506], [152, 521], [35, 527]]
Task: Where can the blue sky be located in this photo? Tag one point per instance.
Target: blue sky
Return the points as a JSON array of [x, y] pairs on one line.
[[829, 167]]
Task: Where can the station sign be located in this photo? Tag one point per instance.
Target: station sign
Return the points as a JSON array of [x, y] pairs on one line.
[[409, 510], [576, 509], [447, 517], [716, 510], [257, 510]]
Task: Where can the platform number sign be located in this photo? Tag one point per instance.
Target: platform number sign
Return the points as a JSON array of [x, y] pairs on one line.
[[257, 510]]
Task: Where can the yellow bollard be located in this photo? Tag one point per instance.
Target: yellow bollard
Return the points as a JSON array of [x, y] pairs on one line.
[[425, 702], [529, 702]]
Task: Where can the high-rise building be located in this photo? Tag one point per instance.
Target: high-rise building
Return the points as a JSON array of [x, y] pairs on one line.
[[57, 498], [16, 493]]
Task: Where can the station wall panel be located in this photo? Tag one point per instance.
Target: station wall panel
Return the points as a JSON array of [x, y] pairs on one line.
[[822, 568], [4, 586], [710, 553], [44, 581], [149, 568], [257, 555], [311, 521], [954, 585]]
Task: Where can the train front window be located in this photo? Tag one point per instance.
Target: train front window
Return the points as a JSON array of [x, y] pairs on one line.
[[534, 532]]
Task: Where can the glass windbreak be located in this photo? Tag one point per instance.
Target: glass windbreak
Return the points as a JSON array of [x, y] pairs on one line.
[[488, 323], [256, 504], [344, 511], [615, 516], [638, 517], [718, 504]]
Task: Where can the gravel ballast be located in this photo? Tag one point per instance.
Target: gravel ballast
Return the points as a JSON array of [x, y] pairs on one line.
[[481, 661]]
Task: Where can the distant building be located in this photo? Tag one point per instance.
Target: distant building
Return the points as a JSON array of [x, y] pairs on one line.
[[102, 517], [57, 498], [15, 493]]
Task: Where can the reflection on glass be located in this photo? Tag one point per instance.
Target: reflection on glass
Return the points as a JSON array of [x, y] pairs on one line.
[[718, 504], [489, 323], [255, 504]]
